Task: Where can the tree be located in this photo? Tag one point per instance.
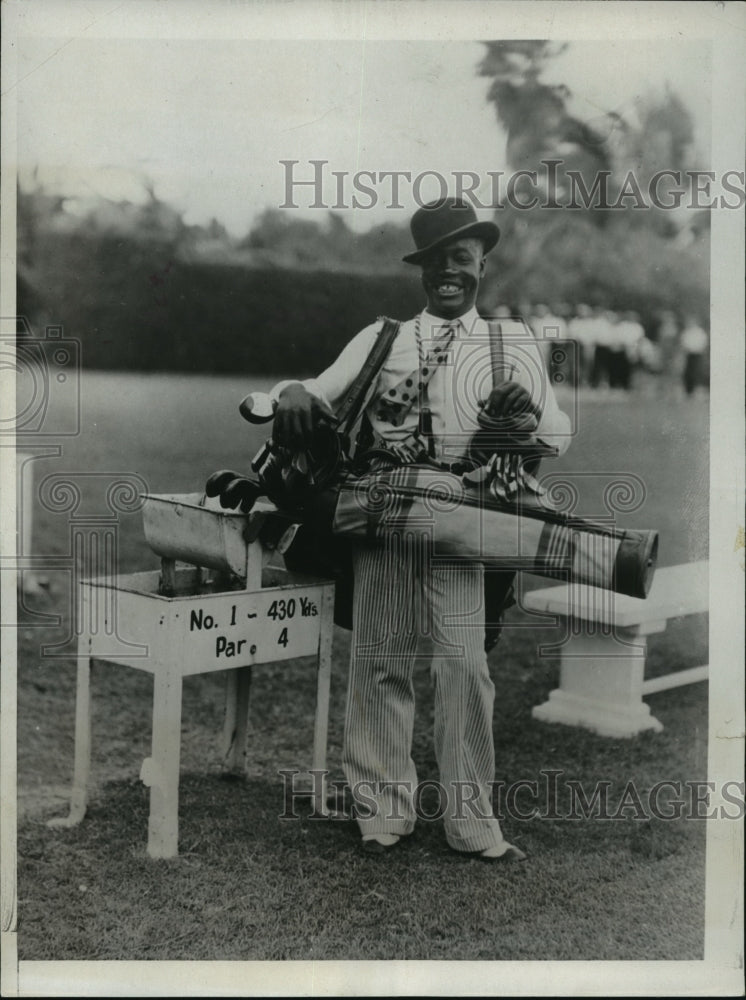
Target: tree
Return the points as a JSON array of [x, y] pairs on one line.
[[625, 258], [534, 113]]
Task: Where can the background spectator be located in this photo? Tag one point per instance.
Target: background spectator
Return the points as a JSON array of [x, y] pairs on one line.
[[550, 330], [604, 331], [694, 343], [581, 329], [628, 333]]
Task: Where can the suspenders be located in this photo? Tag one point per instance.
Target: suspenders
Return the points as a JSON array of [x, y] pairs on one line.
[[358, 394], [497, 351], [497, 355]]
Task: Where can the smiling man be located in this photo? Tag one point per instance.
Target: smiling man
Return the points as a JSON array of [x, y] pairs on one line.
[[438, 386]]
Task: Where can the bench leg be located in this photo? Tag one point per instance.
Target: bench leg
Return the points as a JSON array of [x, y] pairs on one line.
[[601, 685], [82, 767], [161, 771]]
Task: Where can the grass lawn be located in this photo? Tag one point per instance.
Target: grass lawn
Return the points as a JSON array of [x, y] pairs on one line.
[[248, 885]]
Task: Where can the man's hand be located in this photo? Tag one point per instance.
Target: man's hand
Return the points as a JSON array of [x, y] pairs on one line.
[[297, 416], [510, 408]]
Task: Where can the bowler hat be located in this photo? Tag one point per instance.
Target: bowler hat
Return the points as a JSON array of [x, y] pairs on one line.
[[443, 221]]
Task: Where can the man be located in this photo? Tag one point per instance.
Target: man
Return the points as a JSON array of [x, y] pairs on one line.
[[407, 606], [581, 329], [624, 348], [601, 373], [693, 344]]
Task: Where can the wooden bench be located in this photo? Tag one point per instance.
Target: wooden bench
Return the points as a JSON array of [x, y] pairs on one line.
[[602, 653]]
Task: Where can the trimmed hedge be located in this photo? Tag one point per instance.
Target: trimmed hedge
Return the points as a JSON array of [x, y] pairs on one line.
[[140, 307]]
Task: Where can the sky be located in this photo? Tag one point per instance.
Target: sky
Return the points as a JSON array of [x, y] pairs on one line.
[[208, 122]]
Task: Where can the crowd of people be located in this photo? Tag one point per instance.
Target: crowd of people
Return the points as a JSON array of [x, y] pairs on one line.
[[599, 348]]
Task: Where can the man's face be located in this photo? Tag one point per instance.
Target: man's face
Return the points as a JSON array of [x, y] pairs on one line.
[[450, 277]]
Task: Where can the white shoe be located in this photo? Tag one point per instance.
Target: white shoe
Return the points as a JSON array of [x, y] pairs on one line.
[[502, 852], [378, 843]]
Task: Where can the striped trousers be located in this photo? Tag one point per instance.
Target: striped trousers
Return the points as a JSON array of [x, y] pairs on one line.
[[409, 609]]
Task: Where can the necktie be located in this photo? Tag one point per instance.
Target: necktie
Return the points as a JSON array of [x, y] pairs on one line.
[[398, 401]]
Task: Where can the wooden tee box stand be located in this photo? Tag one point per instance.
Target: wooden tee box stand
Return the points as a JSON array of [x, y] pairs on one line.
[[228, 610], [602, 655]]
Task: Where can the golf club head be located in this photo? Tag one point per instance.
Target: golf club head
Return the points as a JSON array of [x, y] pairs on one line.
[[257, 408]]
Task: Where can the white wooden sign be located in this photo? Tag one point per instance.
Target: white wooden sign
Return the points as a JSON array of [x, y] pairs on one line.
[[204, 632], [126, 620]]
